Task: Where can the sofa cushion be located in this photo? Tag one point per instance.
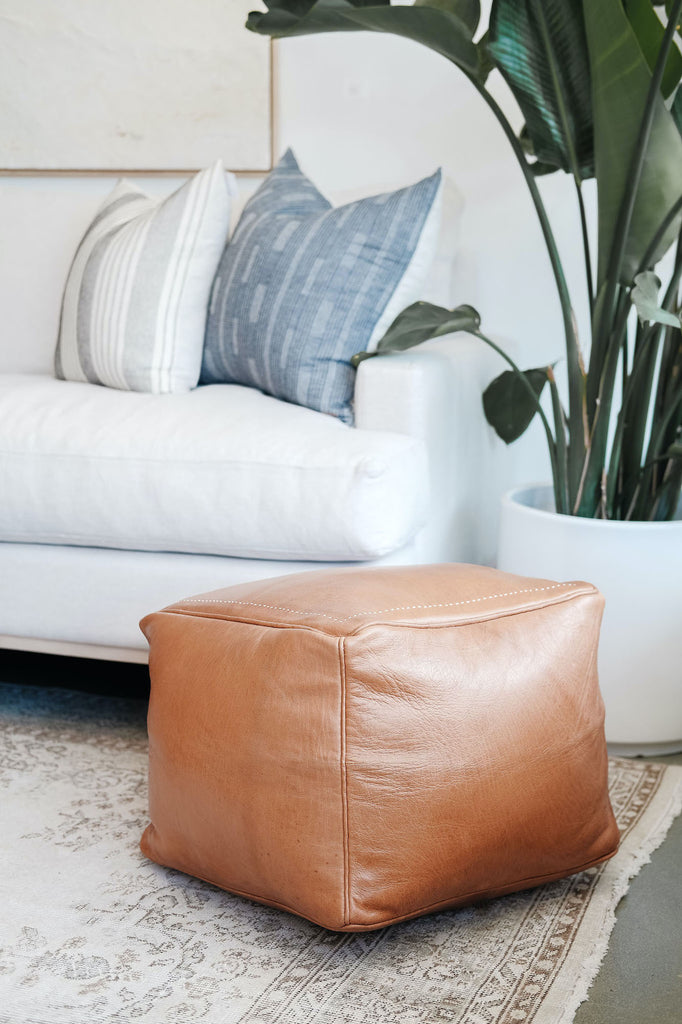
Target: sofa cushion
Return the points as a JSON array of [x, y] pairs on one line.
[[220, 470], [303, 286], [134, 307]]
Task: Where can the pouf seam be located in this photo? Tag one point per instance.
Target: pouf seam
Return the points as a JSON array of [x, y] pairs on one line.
[[235, 616], [505, 613], [344, 781], [588, 588], [243, 619], [511, 887], [449, 902]]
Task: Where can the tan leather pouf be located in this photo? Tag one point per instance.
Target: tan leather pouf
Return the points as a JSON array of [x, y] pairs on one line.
[[361, 746]]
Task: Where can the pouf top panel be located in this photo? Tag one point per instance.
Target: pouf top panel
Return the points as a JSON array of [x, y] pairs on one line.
[[343, 601]]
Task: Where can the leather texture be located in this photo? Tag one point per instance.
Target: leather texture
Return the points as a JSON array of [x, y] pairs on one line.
[[361, 746]]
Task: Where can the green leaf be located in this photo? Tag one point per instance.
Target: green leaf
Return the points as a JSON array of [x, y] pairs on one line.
[[468, 10], [419, 322], [621, 80], [649, 30], [540, 169], [541, 50], [676, 110], [667, 501], [537, 166], [441, 30], [508, 405], [645, 298], [486, 64]]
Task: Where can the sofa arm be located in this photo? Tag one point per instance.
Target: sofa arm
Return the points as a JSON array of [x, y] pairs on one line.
[[433, 392]]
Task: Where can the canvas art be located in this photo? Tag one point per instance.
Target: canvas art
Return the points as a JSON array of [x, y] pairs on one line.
[[134, 85]]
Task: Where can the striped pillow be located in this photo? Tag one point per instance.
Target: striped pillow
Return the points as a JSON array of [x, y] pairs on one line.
[[134, 306], [302, 287]]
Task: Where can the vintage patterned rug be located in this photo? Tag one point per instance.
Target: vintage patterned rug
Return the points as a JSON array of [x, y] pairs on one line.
[[92, 933]]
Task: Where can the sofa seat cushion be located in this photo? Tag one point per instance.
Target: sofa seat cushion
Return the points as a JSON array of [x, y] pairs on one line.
[[219, 470]]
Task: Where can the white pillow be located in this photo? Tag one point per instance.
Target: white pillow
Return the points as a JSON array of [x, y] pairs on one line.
[[135, 302]]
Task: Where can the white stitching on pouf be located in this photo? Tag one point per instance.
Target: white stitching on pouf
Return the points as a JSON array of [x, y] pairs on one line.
[[380, 611]]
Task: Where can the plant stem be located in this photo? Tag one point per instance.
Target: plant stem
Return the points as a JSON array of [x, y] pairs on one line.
[[670, 370], [586, 247], [657, 439], [647, 258], [668, 492], [643, 361], [560, 431], [557, 471], [652, 462], [576, 372], [596, 448], [670, 407], [646, 262]]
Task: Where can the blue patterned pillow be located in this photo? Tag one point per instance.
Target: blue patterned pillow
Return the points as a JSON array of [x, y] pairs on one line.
[[303, 286]]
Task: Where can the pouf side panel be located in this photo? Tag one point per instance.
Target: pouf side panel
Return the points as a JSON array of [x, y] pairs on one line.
[[245, 781], [476, 759]]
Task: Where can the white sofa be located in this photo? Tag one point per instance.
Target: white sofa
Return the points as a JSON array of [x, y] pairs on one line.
[[113, 503]]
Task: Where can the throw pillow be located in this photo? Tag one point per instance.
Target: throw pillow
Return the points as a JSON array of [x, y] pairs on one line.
[[135, 302], [302, 287]]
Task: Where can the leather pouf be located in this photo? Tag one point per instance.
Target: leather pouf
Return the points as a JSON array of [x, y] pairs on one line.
[[360, 746]]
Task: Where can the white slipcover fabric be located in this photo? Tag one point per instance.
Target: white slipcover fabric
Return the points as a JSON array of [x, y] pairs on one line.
[[219, 470]]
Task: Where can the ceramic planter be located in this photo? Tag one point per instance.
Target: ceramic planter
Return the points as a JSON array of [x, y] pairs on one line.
[[638, 568]]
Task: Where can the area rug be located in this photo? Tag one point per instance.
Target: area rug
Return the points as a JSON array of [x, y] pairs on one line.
[[92, 933]]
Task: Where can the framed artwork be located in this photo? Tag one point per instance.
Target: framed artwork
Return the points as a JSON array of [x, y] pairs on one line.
[[133, 85]]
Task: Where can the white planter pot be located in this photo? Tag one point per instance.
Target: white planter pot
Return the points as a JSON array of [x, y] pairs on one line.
[[638, 568]]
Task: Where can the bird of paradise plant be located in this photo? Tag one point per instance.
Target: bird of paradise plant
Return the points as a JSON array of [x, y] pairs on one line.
[[598, 83]]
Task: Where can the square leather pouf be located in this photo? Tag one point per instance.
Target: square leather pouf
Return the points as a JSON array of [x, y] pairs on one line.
[[360, 746]]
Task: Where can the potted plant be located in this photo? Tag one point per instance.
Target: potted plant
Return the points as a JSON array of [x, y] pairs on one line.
[[598, 84]]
